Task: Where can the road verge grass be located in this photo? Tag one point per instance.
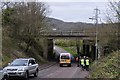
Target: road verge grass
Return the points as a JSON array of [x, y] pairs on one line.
[[71, 50], [107, 67]]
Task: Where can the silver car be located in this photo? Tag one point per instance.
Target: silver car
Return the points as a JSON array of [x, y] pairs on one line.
[[22, 67]]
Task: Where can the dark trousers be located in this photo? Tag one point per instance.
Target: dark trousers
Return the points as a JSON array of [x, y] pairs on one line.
[[87, 67], [83, 67]]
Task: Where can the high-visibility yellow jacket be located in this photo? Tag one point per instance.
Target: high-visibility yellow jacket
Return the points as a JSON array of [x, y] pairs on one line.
[[87, 61], [82, 62]]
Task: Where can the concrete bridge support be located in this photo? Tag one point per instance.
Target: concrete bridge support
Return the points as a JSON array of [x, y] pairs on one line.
[[93, 51], [48, 49], [86, 50], [89, 50], [45, 52]]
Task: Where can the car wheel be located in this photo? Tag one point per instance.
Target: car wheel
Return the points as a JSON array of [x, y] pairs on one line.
[[26, 75], [5, 77], [36, 73]]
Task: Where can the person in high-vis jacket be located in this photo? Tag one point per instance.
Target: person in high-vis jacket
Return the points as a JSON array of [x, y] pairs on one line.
[[87, 63], [82, 62]]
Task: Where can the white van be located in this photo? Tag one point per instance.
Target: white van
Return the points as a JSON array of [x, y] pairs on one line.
[[65, 59]]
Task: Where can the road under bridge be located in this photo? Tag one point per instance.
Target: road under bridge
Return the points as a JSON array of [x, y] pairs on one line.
[[89, 48]]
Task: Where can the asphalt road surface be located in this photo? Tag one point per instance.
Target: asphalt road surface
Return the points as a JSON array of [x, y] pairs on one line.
[[61, 72], [57, 72], [59, 50]]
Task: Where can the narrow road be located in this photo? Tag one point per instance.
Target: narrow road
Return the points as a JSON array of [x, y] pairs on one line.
[[61, 72], [59, 50]]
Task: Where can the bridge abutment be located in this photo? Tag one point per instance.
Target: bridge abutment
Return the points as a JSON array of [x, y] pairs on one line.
[[89, 49], [48, 49], [45, 49], [93, 51]]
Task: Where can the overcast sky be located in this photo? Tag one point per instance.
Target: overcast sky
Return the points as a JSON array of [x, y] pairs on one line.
[[75, 10]]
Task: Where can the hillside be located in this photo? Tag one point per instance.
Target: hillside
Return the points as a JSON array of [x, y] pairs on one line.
[[107, 67], [67, 26]]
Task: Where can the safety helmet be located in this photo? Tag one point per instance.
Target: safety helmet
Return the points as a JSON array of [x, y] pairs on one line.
[[84, 56]]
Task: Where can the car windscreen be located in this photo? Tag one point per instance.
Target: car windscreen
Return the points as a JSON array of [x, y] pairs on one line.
[[19, 63], [65, 57]]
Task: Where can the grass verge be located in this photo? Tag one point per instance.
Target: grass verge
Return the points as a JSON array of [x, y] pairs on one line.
[[107, 67], [71, 50]]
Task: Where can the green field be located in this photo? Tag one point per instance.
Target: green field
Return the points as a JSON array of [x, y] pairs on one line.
[[69, 45], [71, 50]]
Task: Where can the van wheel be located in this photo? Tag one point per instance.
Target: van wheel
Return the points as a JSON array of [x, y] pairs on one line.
[[60, 65], [69, 65], [36, 73]]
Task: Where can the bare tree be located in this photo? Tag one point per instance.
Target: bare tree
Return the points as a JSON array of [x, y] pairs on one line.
[[110, 32], [27, 20], [113, 13]]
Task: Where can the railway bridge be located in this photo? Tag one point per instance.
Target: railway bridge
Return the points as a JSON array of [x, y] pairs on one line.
[[88, 38]]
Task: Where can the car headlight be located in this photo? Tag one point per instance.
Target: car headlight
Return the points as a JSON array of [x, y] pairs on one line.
[[4, 70], [22, 69]]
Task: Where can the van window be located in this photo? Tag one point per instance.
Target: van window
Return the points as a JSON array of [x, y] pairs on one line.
[[64, 57]]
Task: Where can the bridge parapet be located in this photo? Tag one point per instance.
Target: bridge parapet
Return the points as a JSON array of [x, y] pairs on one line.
[[68, 33]]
